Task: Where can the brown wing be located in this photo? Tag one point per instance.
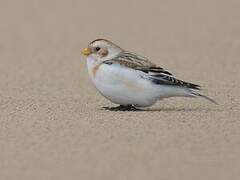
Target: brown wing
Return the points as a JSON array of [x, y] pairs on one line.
[[138, 62]]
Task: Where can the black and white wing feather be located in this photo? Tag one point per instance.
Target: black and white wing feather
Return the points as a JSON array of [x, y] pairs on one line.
[[155, 73]]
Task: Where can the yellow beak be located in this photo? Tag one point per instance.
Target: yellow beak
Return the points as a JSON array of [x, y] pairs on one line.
[[86, 51]]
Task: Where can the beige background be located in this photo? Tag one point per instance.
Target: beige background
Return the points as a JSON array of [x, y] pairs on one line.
[[51, 122]]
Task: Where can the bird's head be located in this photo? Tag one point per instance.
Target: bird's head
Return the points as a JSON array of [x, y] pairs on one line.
[[101, 50]]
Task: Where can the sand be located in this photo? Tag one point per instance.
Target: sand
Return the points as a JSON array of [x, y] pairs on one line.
[[52, 125]]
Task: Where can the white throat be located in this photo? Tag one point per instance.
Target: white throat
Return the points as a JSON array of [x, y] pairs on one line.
[[91, 62]]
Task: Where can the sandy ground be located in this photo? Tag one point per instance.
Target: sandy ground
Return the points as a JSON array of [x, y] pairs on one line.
[[51, 122]]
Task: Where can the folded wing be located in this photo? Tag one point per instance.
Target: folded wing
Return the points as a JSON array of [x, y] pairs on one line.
[[154, 73]]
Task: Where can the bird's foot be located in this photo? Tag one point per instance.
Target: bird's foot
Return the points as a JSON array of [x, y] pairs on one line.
[[122, 108]]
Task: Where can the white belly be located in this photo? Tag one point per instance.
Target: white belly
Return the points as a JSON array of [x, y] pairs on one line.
[[123, 86]]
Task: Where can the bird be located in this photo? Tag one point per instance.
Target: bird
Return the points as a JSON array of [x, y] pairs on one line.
[[130, 80]]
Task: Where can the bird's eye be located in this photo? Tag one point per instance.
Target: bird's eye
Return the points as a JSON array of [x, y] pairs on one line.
[[97, 48]]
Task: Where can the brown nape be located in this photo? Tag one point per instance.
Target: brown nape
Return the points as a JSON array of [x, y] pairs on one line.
[[103, 52]]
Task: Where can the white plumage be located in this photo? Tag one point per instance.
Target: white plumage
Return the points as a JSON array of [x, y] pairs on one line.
[[128, 81]]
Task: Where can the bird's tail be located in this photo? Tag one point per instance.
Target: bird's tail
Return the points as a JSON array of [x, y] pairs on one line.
[[196, 94]]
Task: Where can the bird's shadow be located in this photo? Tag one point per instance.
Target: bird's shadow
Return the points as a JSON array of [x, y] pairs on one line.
[[172, 109]]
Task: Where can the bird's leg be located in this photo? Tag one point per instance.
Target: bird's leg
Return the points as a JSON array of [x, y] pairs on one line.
[[122, 108], [126, 108]]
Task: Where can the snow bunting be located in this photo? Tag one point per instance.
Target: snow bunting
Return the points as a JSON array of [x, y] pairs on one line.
[[131, 80]]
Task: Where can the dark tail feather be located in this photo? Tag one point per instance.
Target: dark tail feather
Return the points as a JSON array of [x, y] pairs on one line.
[[205, 97]]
